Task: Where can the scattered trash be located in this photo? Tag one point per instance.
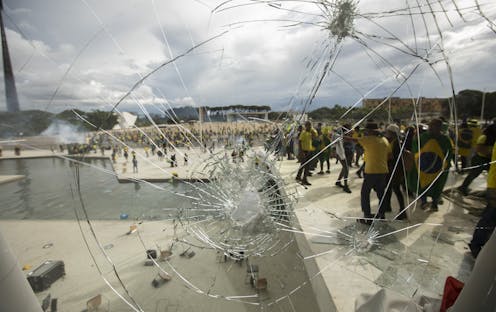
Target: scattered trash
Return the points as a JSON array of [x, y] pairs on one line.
[[43, 276], [124, 216], [94, 303], [46, 302], [187, 253], [53, 305], [108, 246], [261, 284], [133, 228], [27, 267], [161, 279], [48, 245], [151, 254], [165, 255]]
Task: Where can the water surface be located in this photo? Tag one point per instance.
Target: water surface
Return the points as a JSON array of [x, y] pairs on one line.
[[48, 192]]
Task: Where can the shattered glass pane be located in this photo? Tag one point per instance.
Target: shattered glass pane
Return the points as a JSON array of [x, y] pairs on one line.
[[208, 216]]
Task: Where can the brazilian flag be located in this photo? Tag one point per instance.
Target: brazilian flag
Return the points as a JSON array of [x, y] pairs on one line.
[[431, 159]]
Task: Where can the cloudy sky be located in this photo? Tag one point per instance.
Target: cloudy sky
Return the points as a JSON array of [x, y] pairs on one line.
[[88, 54]]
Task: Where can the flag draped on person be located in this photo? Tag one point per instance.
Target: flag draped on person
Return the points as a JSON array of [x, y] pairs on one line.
[[431, 160]]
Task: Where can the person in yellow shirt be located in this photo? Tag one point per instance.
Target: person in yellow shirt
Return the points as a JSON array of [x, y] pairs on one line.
[[481, 159], [306, 152], [476, 132], [487, 222], [465, 138], [377, 151]]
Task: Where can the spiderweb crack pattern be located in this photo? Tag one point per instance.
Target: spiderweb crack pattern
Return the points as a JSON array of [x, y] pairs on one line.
[[249, 209]]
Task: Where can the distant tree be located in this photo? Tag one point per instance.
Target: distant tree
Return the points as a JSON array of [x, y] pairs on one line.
[[278, 116], [326, 113], [490, 105], [71, 116], [320, 113], [27, 122], [469, 104], [145, 122], [100, 119]]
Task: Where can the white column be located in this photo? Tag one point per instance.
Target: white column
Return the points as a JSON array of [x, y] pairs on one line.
[[15, 292], [479, 292]]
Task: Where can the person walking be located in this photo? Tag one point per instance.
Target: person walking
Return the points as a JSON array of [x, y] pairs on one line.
[[135, 164], [325, 150], [486, 224], [395, 177], [432, 160], [306, 151], [481, 159], [338, 137], [377, 151], [464, 146]]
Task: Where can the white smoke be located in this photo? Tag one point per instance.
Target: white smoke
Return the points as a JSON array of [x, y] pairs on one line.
[[64, 132]]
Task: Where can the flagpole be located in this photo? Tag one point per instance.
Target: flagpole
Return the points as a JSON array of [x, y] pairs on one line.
[[482, 108], [10, 87]]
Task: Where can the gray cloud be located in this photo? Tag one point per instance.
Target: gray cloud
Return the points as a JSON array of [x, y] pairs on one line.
[[108, 44]]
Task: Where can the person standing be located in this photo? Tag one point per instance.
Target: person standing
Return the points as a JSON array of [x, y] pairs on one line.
[[296, 141], [135, 164], [481, 159], [377, 151], [349, 145], [358, 148], [126, 155], [306, 151], [464, 146], [325, 149], [432, 160], [338, 138], [173, 160], [487, 222], [395, 177]]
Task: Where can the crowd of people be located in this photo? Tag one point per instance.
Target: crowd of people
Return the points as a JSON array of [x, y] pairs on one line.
[[390, 158], [164, 140], [403, 160]]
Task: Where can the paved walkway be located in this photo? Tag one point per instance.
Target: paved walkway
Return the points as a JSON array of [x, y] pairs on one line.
[[413, 261], [150, 168]]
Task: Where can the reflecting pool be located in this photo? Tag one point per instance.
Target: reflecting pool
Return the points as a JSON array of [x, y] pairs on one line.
[[48, 191]]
